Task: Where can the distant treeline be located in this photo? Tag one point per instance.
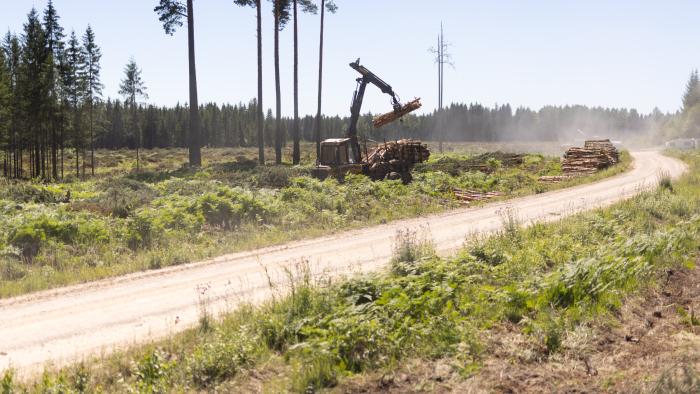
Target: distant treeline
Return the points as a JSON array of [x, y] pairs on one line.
[[235, 125]]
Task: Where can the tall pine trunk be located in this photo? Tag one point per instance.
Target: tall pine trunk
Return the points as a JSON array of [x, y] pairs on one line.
[[195, 151], [260, 116], [92, 139], [278, 93], [296, 154], [320, 85]]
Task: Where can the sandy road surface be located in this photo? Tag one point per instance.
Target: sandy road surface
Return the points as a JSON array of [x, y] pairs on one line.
[[74, 322]]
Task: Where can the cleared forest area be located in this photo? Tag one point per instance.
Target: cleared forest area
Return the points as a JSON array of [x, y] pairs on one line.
[[601, 300], [123, 221]]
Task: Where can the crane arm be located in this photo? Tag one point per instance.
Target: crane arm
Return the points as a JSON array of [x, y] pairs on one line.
[[367, 78]]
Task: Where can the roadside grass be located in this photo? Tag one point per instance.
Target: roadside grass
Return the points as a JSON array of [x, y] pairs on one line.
[[121, 222], [547, 280]]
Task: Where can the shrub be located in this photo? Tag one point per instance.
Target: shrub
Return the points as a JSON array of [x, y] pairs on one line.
[[141, 232], [275, 177], [12, 271], [29, 240], [408, 248], [123, 195], [221, 358], [30, 193], [228, 208], [152, 371]]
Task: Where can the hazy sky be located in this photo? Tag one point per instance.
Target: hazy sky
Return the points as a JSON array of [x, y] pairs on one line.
[[620, 53]]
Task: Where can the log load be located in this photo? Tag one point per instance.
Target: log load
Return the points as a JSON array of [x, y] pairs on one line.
[[596, 155], [395, 159], [385, 119]]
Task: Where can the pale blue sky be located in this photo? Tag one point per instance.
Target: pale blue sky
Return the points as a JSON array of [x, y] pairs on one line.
[[620, 53]]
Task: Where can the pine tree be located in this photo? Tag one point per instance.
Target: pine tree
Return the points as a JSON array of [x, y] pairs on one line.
[[133, 88], [691, 97], [280, 10], [171, 13], [309, 7], [330, 6], [259, 113], [93, 86]]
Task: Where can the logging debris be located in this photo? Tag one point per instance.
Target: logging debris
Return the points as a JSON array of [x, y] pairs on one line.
[[468, 196], [385, 119], [486, 163], [554, 178]]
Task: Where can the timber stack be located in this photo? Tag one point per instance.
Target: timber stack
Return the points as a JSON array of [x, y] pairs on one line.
[[395, 159], [594, 156], [606, 147]]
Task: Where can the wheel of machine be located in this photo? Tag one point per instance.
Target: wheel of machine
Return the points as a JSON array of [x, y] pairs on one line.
[[393, 176]]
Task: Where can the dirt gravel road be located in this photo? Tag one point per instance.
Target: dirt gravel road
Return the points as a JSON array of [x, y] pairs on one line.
[[72, 323]]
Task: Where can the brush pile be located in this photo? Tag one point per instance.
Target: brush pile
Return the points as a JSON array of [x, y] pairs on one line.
[[469, 196], [594, 156], [395, 159], [383, 120]]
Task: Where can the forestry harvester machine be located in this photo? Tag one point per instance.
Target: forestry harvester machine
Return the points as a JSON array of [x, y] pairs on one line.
[[392, 160]]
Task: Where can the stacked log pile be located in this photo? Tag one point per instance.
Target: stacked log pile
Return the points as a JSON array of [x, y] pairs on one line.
[[385, 119], [395, 159], [606, 146], [469, 196], [594, 156]]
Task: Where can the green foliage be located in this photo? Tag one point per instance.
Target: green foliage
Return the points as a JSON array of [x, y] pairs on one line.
[[151, 372], [7, 382], [122, 196], [221, 357]]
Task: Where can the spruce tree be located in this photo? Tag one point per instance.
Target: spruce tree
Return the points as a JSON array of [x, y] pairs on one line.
[[5, 112], [133, 88], [12, 49], [691, 97], [171, 13], [54, 42], [73, 81], [93, 86], [34, 87]]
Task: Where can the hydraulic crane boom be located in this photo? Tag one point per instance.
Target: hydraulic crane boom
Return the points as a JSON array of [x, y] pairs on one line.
[[367, 78]]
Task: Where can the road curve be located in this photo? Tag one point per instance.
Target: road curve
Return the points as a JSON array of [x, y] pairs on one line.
[[68, 324]]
